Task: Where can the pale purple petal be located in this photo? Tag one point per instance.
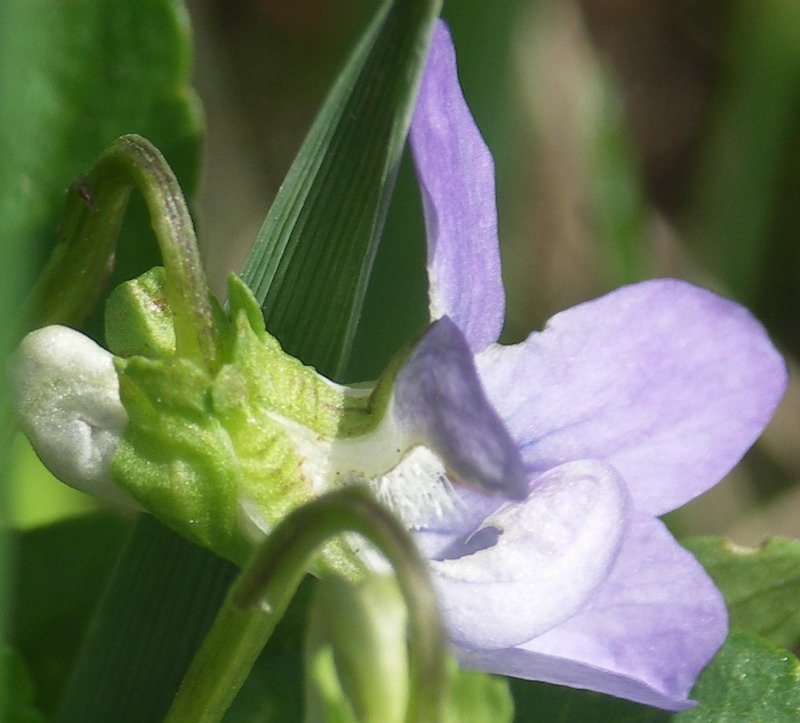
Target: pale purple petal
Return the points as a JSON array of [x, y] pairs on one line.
[[645, 635], [540, 559], [456, 175], [669, 383], [438, 401]]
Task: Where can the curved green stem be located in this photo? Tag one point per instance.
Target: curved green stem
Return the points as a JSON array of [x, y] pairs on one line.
[[79, 267], [262, 592]]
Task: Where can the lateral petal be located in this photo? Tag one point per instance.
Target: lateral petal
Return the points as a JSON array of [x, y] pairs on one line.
[[668, 382]]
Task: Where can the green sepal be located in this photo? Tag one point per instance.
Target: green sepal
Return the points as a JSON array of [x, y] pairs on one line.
[[198, 444], [221, 455], [132, 329], [175, 456], [281, 384]]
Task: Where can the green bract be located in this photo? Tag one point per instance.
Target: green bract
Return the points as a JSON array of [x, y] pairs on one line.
[[210, 451]]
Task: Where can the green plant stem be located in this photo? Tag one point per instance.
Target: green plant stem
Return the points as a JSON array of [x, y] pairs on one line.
[[75, 276], [263, 591]]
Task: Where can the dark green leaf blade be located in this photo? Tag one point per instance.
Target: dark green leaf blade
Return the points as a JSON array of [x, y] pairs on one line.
[[310, 263], [17, 705], [160, 602], [761, 585], [545, 703], [62, 571], [748, 680]]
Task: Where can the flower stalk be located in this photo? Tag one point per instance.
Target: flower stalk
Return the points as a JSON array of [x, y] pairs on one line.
[[80, 265], [261, 594]]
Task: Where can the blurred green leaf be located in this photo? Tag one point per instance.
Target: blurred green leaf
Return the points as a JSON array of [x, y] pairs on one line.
[[616, 192], [479, 698], [545, 703], [311, 261], [747, 153], [761, 585], [39, 498], [748, 680], [75, 76], [62, 571]]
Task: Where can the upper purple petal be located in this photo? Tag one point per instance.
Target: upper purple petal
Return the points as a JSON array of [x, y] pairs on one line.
[[456, 174], [645, 634], [669, 383]]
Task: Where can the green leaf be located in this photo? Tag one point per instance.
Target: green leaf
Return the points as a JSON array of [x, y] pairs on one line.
[[75, 76], [761, 585], [748, 680], [311, 261], [62, 571], [145, 630], [546, 703]]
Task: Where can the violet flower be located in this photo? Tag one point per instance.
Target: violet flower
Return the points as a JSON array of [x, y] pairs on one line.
[[622, 409]]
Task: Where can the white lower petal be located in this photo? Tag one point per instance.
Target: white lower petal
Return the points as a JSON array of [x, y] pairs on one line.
[[551, 552]]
